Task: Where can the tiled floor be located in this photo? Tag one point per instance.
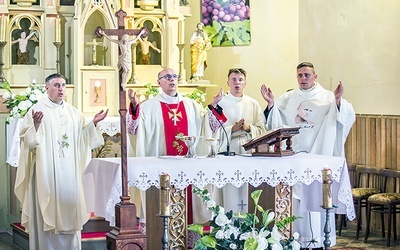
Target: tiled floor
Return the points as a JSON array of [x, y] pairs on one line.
[[347, 239], [375, 241]]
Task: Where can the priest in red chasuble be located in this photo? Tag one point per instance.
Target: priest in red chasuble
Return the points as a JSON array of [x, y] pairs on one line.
[[155, 123]]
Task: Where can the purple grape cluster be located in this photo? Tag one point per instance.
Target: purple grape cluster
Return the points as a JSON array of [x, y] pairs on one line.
[[224, 11]]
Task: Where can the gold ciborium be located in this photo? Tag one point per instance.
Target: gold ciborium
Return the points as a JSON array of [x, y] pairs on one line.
[[212, 142], [190, 141]]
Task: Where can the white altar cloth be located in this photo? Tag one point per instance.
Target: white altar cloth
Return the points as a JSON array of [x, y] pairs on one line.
[[103, 185]]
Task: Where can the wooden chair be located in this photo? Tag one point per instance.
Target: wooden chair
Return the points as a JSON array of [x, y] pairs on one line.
[[369, 182], [351, 167], [385, 203]]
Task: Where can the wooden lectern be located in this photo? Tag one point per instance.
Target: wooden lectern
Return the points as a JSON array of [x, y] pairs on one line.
[[261, 144]]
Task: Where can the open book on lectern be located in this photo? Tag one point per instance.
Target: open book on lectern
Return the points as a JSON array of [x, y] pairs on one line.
[[271, 143]]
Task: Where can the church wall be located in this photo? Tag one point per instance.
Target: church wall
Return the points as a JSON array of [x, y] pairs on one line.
[[271, 57], [359, 44], [356, 42]]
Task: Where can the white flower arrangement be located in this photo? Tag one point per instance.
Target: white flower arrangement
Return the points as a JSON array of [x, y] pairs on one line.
[[242, 230], [22, 102]]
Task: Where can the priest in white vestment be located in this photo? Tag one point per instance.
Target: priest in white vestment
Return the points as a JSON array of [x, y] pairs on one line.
[[155, 123], [237, 118], [325, 120], [56, 145]]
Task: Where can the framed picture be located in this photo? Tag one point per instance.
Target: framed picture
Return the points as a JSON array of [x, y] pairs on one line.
[[227, 22]]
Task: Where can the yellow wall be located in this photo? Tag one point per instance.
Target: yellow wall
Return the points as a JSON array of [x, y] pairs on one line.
[[357, 42], [273, 51]]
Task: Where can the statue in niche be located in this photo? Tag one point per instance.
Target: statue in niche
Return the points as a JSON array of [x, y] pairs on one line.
[[199, 45], [145, 45], [124, 59], [22, 52]]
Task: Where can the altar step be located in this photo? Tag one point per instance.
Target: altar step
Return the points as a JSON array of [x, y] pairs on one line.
[[93, 234]]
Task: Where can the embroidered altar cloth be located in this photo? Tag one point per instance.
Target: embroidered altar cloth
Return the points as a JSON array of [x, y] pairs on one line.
[[103, 184]]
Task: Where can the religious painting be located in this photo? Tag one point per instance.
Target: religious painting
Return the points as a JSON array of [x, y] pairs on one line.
[[227, 22], [97, 92]]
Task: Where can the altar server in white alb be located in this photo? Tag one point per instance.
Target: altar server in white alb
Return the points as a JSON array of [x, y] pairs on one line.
[[325, 119], [242, 119], [56, 145]]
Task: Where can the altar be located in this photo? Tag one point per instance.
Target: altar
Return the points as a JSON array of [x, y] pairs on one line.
[[102, 177]]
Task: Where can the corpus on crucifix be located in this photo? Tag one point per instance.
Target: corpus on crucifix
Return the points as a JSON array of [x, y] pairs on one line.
[[125, 231], [125, 53], [94, 45]]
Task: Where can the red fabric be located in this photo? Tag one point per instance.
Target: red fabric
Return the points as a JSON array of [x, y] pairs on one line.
[[220, 117], [134, 115], [190, 206], [174, 146], [91, 235]]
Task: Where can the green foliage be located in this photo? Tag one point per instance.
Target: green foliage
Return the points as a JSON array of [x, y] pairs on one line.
[[242, 230], [22, 102], [236, 33]]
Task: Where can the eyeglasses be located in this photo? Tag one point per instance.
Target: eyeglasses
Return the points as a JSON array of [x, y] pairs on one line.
[[168, 77]]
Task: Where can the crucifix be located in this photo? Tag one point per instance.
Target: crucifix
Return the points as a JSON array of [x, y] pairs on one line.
[[94, 45], [125, 230]]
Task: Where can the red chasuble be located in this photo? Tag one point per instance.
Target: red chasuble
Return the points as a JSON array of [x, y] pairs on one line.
[[175, 123]]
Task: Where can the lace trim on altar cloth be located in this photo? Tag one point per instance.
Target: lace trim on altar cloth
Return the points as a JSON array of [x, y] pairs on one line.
[[237, 179]]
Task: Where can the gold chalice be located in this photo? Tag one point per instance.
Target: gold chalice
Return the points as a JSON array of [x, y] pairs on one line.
[[212, 142]]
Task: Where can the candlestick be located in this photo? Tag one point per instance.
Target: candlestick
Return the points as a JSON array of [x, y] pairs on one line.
[[327, 188], [180, 32], [2, 28], [57, 30], [164, 195]]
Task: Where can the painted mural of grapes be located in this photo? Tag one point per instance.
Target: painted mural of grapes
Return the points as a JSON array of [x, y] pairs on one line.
[[227, 22]]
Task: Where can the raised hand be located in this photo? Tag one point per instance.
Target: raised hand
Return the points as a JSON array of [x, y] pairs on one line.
[[133, 98], [268, 95], [339, 93], [217, 98], [100, 116], [37, 118]]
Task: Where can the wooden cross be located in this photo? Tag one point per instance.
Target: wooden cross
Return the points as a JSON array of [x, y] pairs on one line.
[[125, 211]]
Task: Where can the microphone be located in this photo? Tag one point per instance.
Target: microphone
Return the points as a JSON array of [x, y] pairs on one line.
[[228, 143]]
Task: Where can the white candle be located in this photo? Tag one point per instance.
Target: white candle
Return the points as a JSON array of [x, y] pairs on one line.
[[3, 28], [327, 188], [180, 32], [164, 194], [58, 30]]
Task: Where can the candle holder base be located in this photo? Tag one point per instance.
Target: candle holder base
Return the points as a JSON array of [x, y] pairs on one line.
[[165, 239], [327, 227]]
